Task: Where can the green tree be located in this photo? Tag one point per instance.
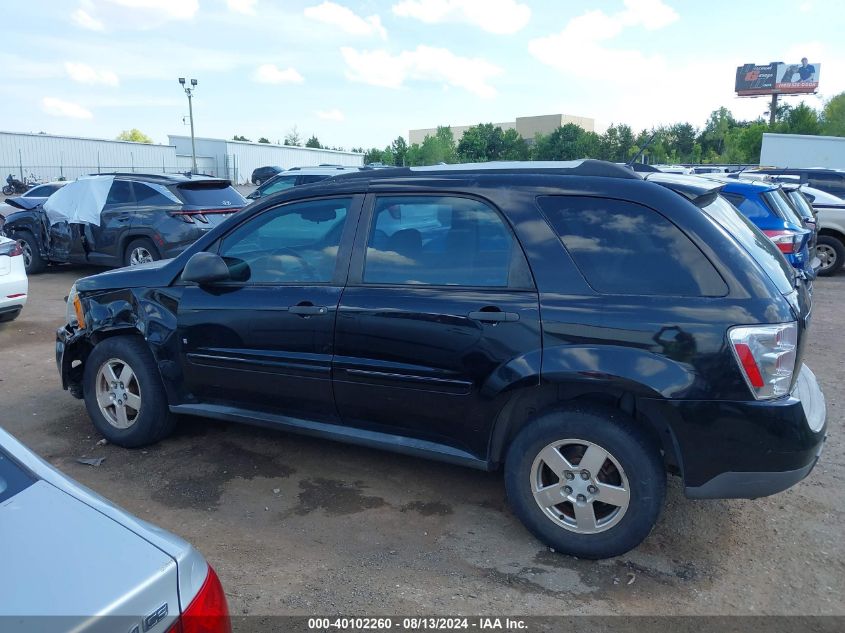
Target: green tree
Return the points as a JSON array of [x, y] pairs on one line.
[[399, 149], [238, 137], [263, 140], [293, 137], [833, 116], [712, 138], [618, 143], [481, 143], [134, 135], [314, 142], [801, 119], [514, 146], [373, 155]]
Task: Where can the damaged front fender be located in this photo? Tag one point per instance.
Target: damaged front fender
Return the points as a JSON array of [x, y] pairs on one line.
[[150, 313]]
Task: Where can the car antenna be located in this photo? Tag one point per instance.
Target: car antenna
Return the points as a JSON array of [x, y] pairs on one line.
[[645, 146]]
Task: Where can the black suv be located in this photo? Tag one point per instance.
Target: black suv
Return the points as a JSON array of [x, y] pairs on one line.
[[263, 174], [145, 217], [585, 329], [831, 181]]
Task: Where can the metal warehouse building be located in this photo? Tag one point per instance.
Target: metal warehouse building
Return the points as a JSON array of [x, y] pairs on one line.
[[47, 157], [237, 159]]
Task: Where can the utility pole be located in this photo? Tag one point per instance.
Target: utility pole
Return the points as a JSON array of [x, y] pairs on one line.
[[774, 109], [190, 92]]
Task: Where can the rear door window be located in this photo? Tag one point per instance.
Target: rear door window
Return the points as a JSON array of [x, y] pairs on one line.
[[625, 248], [280, 183], [120, 193], [832, 183]]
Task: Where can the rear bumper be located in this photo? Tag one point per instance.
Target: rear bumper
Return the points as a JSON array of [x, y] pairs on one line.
[[747, 449]]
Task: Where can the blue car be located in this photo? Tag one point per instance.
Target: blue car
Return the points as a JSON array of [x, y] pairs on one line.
[[767, 206]]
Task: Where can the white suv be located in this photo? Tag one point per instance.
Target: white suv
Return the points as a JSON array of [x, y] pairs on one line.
[[13, 281]]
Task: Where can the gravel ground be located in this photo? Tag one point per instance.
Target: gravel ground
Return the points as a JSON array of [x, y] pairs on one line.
[[297, 525]]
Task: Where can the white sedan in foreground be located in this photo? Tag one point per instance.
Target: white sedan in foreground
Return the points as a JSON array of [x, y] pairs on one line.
[[13, 281]]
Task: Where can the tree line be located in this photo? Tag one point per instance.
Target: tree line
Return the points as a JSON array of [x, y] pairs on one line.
[[723, 139]]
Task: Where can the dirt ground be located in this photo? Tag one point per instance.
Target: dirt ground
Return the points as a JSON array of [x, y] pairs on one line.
[[303, 526]]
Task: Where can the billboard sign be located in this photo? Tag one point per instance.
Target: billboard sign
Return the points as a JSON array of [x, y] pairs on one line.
[[777, 78]]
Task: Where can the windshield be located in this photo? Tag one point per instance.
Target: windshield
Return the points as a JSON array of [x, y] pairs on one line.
[[802, 205], [13, 478], [761, 248], [780, 203]]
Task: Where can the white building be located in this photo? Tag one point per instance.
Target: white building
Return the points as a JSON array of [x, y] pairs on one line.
[[48, 157], [237, 159]]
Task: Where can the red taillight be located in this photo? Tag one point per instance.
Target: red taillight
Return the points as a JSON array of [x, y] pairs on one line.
[[12, 249], [786, 241], [746, 358], [208, 611]]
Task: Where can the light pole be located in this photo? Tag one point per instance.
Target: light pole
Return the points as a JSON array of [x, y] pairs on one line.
[[189, 90]]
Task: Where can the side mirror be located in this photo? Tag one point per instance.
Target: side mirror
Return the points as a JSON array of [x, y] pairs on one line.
[[255, 195], [205, 268]]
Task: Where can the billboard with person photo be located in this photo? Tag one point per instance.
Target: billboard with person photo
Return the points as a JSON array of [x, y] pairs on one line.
[[777, 78]]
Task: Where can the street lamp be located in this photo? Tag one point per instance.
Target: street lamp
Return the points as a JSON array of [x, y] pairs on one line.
[[190, 92]]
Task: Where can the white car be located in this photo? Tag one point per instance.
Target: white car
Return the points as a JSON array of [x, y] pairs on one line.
[[13, 282]]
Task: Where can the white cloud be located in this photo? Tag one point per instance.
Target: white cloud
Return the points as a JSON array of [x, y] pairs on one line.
[[331, 115], [84, 19], [272, 74], [425, 63], [97, 15], [580, 50], [346, 20], [85, 74], [58, 107], [493, 16], [247, 7]]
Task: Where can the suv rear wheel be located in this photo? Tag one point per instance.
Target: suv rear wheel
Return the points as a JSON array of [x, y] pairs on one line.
[[140, 251], [831, 254], [32, 260], [124, 395], [586, 481]]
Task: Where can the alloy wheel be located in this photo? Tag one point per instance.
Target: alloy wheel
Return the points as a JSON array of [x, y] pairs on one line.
[[140, 255], [580, 486], [27, 253], [118, 393], [826, 255]]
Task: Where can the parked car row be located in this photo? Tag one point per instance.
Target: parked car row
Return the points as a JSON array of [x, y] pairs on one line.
[[583, 328]]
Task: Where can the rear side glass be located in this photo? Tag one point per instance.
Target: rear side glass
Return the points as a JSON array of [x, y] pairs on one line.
[[625, 248], [212, 197], [147, 195], [13, 478], [748, 207]]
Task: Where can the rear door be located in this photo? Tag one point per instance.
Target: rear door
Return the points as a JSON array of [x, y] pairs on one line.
[[439, 304]]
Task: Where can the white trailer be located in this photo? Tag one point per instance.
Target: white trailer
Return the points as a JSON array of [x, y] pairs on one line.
[[800, 150]]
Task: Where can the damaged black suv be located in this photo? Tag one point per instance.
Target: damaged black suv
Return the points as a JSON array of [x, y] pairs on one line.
[[582, 328]]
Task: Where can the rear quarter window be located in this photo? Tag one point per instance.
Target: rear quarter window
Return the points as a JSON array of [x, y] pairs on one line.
[[625, 248]]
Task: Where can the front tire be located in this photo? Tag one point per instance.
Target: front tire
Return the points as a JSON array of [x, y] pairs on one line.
[[140, 251], [831, 253], [33, 262], [586, 481], [124, 395]]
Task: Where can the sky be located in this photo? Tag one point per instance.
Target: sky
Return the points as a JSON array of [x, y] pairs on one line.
[[359, 74]]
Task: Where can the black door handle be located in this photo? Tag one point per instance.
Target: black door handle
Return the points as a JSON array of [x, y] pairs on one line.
[[493, 316], [308, 309]]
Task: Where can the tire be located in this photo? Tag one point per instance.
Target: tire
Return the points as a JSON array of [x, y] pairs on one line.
[[632, 462], [831, 251], [151, 421], [8, 190], [33, 262], [140, 251], [256, 182]]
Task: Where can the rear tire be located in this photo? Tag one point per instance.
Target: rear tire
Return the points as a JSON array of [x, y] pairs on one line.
[[562, 465], [124, 394], [140, 251], [831, 252], [32, 260]]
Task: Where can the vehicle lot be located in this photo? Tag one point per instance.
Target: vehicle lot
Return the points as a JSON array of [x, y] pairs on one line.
[[303, 526]]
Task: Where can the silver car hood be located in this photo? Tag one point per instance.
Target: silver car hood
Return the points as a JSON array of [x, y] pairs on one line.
[[66, 550]]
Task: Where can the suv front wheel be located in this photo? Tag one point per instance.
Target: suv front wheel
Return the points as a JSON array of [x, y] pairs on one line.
[[586, 481], [141, 251], [124, 394]]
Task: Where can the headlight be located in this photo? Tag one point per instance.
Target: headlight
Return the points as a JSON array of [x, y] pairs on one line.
[[73, 310]]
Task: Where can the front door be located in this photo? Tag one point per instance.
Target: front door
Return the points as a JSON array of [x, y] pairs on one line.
[[102, 243], [439, 314], [263, 340]]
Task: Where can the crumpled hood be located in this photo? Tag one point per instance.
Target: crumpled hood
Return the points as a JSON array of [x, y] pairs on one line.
[[142, 275]]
